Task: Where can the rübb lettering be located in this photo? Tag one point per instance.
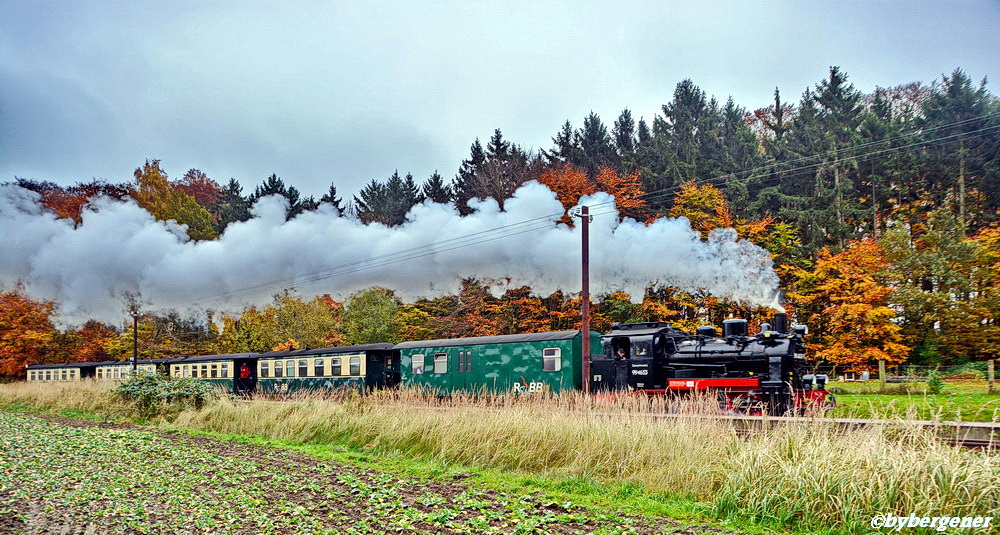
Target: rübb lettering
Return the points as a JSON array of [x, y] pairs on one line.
[[534, 387]]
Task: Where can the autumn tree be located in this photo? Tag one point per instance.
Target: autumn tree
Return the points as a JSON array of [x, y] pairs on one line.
[[704, 206], [479, 308], [845, 300], [287, 320], [435, 318], [944, 282], [521, 312], [313, 323], [619, 308], [415, 323], [162, 335], [252, 331], [27, 336], [166, 202], [568, 183], [627, 191], [90, 342], [204, 190], [370, 316], [69, 202]]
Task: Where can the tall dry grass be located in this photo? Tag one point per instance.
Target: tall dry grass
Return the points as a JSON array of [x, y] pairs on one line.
[[83, 397], [795, 473]]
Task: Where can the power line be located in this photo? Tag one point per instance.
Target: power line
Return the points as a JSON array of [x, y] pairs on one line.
[[548, 221]]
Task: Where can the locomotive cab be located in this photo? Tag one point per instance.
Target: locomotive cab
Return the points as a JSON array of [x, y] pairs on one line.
[[634, 357]]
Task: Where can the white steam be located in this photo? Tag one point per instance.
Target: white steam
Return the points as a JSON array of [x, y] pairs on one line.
[[119, 248]]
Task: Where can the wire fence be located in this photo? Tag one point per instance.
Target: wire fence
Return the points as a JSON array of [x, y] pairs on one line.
[[909, 372]]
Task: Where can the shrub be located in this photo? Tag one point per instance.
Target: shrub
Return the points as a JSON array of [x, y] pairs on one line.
[[150, 392], [971, 370], [934, 382]]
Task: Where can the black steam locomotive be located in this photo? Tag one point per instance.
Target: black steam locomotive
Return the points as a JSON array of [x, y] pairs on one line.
[[764, 373]]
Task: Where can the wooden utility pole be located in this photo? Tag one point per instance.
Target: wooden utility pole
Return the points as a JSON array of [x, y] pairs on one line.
[[133, 305], [584, 215]]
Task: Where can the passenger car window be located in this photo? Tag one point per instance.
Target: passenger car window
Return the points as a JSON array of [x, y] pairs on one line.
[[355, 365], [335, 367], [551, 359], [417, 364], [440, 363], [319, 368], [265, 369]]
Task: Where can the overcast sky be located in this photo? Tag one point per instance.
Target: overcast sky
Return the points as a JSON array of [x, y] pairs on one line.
[[343, 92]]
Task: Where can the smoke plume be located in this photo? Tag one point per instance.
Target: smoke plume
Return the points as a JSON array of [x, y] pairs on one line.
[[119, 247]]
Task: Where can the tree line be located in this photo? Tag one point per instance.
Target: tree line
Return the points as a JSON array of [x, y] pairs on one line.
[[881, 210]]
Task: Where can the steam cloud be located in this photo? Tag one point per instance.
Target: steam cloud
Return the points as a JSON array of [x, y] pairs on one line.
[[119, 248]]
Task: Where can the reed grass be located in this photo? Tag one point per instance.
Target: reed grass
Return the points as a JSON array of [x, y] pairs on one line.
[[794, 474]]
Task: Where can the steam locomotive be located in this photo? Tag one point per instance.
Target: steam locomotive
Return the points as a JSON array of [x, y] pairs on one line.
[[761, 373]]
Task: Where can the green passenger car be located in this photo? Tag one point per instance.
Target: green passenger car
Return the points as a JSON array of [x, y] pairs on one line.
[[361, 367], [521, 364]]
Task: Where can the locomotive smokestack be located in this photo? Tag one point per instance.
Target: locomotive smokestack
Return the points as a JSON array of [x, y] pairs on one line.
[[781, 322], [734, 327]]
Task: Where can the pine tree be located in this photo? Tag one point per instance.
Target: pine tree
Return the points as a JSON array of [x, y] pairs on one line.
[[230, 206], [626, 142], [495, 173], [819, 191], [275, 186], [331, 198], [387, 203], [372, 205], [566, 148], [436, 190], [964, 162], [596, 146], [463, 187]]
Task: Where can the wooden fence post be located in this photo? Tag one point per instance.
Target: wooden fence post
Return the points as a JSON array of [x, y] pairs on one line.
[[881, 376], [990, 376]]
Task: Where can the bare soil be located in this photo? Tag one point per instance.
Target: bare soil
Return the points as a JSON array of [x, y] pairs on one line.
[[344, 498]]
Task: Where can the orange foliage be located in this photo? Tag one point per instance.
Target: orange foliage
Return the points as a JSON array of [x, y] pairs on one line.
[[287, 345], [704, 206], [521, 312], [568, 183], [90, 342], [27, 336], [478, 310], [627, 191], [845, 298], [204, 190], [64, 204]]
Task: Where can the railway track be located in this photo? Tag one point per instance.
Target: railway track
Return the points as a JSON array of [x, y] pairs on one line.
[[972, 435]]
